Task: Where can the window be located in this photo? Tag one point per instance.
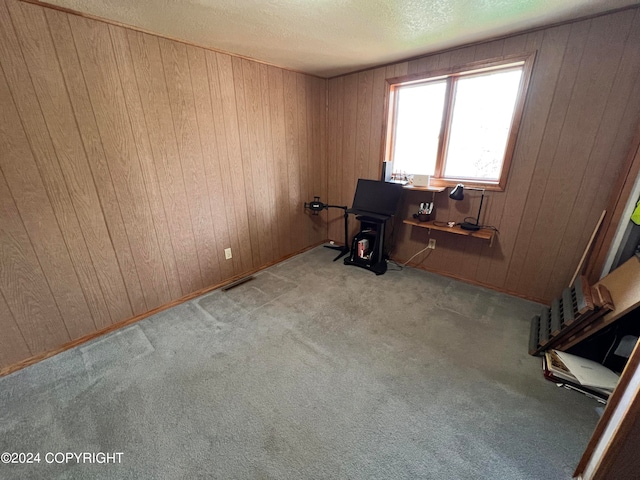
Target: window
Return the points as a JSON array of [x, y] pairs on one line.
[[458, 125]]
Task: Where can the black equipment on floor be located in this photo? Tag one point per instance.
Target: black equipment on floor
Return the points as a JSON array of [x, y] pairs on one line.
[[374, 203], [316, 206]]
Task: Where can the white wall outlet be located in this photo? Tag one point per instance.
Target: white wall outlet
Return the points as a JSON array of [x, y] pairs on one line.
[[227, 253], [432, 243]]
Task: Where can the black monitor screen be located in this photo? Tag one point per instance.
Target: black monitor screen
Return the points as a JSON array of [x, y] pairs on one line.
[[377, 197]]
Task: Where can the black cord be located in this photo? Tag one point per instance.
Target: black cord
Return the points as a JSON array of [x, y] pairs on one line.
[[389, 245], [615, 338], [490, 227]]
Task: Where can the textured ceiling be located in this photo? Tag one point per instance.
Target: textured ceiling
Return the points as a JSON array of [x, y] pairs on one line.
[[331, 37]]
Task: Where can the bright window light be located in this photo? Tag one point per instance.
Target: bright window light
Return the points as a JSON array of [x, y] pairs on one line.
[[418, 124], [458, 125], [482, 115]]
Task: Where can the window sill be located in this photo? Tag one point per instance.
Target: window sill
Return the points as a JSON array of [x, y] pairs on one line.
[[430, 188]]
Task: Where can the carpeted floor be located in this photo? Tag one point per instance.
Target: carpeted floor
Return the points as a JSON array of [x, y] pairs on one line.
[[312, 370]]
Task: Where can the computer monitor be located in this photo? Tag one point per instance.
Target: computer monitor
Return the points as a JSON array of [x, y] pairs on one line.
[[377, 197]]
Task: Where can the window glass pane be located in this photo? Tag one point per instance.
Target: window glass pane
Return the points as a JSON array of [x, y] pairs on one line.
[[418, 122], [482, 114]]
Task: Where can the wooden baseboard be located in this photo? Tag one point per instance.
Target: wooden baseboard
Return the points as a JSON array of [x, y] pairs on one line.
[[79, 341], [475, 282]]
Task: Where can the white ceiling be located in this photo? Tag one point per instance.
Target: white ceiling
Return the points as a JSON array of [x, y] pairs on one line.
[[331, 37]]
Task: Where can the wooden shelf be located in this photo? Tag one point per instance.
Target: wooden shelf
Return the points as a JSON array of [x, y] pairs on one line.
[[424, 189], [483, 233]]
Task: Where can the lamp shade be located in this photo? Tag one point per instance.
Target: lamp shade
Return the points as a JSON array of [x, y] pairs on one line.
[[457, 193]]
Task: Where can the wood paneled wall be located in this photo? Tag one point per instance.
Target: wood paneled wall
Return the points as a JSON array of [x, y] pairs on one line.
[[582, 109], [129, 162]]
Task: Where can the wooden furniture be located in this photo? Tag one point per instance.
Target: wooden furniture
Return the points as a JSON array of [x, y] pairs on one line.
[[612, 451], [483, 233], [430, 188], [570, 317], [624, 285]]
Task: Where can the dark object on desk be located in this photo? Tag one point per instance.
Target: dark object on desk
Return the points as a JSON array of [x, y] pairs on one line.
[[458, 194], [374, 198], [375, 203], [316, 206]]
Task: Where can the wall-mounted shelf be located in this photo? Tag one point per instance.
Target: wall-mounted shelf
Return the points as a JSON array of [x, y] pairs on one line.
[[424, 189], [483, 233]]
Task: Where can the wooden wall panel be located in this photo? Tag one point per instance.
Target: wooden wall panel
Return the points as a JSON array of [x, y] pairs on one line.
[[128, 163], [150, 76], [293, 165], [271, 212], [183, 110], [97, 266], [224, 160], [210, 156], [278, 133], [98, 64], [13, 347], [245, 165], [570, 169], [24, 287], [579, 118], [124, 62], [31, 169], [83, 110], [241, 206]]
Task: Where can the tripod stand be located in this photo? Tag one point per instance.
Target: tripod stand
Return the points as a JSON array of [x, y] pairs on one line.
[[317, 206]]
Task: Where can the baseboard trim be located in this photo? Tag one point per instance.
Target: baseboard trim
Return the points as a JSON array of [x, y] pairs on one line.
[[475, 282], [116, 326]]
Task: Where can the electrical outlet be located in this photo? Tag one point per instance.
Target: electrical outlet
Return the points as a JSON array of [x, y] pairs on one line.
[[227, 253], [432, 243]]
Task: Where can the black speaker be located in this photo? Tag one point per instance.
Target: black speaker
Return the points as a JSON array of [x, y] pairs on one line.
[[387, 170]]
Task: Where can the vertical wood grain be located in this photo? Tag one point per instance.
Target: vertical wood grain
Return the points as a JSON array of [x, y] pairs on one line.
[[24, 287], [226, 176], [92, 250], [254, 158], [598, 64], [99, 66], [236, 168], [245, 164], [13, 347], [83, 110], [590, 198], [33, 175], [302, 154], [278, 129], [349, 164], [181, 99], [150, 75], [211, 157], [269, 196], [293, 163]]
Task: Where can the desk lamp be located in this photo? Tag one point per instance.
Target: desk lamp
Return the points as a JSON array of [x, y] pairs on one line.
[[458, 194]]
